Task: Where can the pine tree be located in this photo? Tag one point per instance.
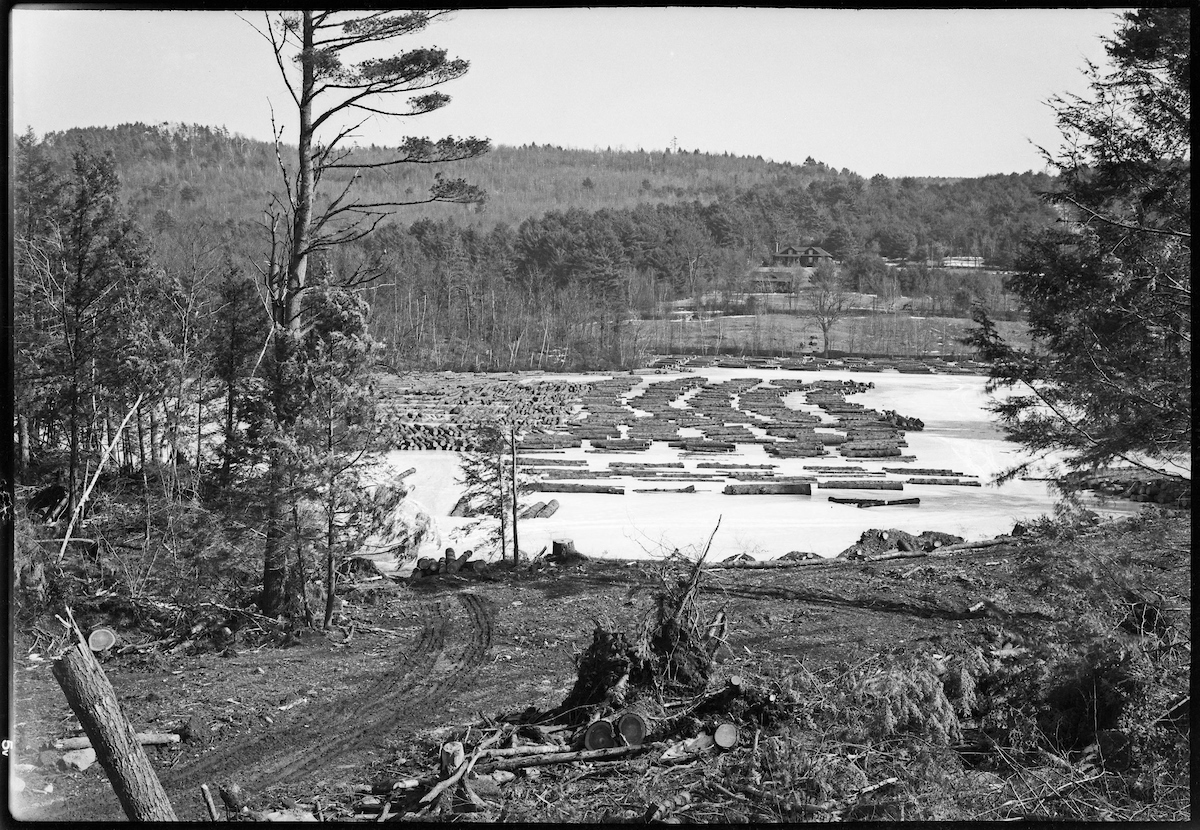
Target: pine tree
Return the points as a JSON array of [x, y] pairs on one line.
[[334, 96], [1108, 291]]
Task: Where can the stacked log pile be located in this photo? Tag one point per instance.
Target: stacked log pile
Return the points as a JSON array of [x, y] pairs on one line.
[[449, 563], [540, 510]]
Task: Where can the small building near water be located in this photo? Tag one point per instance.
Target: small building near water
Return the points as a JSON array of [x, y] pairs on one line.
[[791, 256]]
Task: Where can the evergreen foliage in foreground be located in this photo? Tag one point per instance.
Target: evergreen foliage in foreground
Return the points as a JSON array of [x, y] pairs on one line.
[[1109, 288]]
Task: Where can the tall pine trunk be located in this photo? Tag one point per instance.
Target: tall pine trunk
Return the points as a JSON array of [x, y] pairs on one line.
[[286, 307]]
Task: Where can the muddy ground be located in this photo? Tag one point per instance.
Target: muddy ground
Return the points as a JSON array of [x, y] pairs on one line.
[[309, 720]]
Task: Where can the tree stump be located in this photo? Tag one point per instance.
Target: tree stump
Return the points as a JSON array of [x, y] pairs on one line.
[[563, 550]]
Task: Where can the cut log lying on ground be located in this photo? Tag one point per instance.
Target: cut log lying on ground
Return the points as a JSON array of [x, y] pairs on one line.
[[947, 481], [532, 510], [143, 738]]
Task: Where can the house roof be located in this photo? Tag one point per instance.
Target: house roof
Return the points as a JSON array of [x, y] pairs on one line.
[[813, 250]]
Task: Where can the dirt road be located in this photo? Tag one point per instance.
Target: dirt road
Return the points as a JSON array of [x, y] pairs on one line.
[[306, 743]]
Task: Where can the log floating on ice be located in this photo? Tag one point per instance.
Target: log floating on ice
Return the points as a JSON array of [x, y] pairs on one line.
[[762, 488], [860, 484], [873, 502], [572, 487]]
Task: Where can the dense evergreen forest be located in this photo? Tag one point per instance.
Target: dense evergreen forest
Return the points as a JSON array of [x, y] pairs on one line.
[[568, 242]]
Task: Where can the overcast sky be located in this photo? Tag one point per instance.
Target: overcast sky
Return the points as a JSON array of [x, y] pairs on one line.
[[924, 92]]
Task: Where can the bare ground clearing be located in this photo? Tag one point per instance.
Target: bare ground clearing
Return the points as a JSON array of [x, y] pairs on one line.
[[308, 721]]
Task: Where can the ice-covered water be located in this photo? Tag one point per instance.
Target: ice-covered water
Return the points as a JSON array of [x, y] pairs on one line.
[[958, 435]]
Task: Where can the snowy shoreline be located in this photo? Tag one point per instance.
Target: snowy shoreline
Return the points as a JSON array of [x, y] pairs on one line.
[[958, 434]]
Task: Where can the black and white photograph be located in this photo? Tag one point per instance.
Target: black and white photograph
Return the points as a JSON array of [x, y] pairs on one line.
[[620, 414]]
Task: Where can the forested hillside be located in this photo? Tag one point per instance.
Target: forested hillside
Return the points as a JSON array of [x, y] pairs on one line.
[[174, 173], [569, 241]]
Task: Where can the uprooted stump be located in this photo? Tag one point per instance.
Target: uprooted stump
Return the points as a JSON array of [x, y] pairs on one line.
[[673, 652], [606, 670]]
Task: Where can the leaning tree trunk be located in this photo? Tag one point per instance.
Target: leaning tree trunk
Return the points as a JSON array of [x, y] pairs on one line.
[[118, 750]]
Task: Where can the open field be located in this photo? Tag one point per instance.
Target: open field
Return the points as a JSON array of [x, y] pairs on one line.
[[788, 334]]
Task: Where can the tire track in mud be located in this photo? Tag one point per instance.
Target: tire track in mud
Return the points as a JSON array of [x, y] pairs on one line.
[[408, 696]]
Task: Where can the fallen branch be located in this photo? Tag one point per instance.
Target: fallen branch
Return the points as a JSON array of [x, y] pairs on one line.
[[986, 543], [771, 563], [398, 785], [519, 751], [209, 803], [568, 757], [83, 499]]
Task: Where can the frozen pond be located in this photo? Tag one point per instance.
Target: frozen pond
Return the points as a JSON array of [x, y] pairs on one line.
[[958, 435]]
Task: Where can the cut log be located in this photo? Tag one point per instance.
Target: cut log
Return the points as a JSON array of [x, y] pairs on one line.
[[726, 736], [93, 700], [599, 735], [574, 487], [632, 728], [532, 510], [861, 484], [101, 639], [795, 488], [857, 502], [143, 738]]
